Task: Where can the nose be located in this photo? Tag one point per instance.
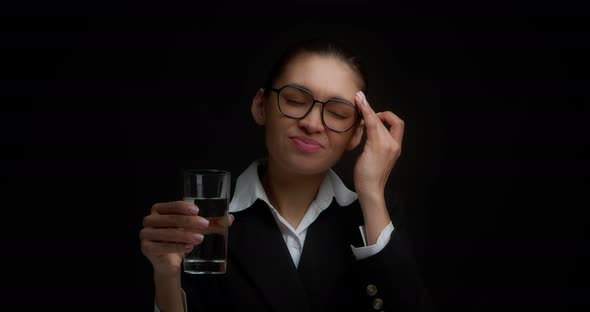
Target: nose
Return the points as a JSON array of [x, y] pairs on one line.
[[313, 121]]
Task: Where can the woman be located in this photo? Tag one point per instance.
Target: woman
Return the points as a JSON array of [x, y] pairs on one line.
[[299, 239]]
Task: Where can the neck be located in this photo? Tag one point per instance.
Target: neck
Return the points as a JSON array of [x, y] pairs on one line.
[[289, 192]]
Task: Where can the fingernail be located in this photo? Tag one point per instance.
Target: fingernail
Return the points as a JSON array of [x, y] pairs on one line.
[[197, 237], [193, 210], [188, 246], [203, 222], [364, 99]]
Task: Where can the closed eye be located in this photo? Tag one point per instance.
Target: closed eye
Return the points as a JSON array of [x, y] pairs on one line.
[[338, 115], [295, 102]]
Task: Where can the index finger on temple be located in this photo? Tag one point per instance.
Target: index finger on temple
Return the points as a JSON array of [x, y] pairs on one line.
[[369, 115], [176, 207]]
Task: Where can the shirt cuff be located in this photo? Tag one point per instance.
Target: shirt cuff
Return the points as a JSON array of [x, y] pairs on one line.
[[156, 309], [367, 251]]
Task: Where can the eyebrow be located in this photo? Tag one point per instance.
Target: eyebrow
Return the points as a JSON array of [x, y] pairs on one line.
[[332, 98]]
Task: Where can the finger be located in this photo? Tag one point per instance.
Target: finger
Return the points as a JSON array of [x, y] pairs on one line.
[[160, 248], [396, 124], [372, 121], [175, 221], [176, 207], [217, 225], [385, 127], [171, 236], [231, 219]]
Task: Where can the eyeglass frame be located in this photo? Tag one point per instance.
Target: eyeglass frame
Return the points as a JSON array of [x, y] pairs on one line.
[[278, 91]]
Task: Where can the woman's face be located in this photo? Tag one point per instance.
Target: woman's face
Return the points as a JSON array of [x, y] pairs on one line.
[[307, 146]]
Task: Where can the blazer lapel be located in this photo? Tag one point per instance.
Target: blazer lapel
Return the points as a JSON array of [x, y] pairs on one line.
[[327, 250], [260, 251]]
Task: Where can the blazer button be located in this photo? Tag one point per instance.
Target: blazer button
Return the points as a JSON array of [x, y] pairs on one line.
[[371, 290], [377, 303]]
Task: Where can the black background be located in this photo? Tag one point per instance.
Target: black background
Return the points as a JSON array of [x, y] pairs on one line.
[[108, 102]]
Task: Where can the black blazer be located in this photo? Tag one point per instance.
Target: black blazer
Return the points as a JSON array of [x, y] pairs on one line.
[[261, 275]]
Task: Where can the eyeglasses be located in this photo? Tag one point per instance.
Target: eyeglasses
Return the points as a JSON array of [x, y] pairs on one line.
[[296, 102]]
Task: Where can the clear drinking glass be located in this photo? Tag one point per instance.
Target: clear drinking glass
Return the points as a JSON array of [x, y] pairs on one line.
[[209, 189]]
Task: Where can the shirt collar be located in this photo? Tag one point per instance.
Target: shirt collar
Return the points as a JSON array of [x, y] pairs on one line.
[[249, 188]]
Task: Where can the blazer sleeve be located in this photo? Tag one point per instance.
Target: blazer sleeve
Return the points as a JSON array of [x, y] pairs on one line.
[[390, 279]]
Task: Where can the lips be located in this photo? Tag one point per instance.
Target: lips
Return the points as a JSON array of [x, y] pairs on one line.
[[305, 144], [306, 140]]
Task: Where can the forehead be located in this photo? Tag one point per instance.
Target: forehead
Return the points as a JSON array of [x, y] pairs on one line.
[[325, 76]]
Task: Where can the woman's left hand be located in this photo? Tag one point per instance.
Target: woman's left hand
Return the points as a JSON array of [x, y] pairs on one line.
[[381, 151]]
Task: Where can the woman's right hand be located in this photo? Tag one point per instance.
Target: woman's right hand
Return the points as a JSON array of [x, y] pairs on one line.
[[169, 231]]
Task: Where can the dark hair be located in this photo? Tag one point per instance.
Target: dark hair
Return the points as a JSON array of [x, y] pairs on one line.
[[323, 47]]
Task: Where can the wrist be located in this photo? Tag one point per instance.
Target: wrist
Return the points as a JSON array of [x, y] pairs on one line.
[[168, 290], [167, 270], [372, 198], [375, 214], [166, 276], [167, 285]]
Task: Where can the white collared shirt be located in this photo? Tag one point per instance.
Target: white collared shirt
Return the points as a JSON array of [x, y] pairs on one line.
[[249, 188]]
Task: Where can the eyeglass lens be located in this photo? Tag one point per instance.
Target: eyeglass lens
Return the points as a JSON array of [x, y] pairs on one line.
[[337, 115]]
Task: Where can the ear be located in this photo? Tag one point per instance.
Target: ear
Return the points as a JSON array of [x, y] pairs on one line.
[[257, 108], [356, 136]]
